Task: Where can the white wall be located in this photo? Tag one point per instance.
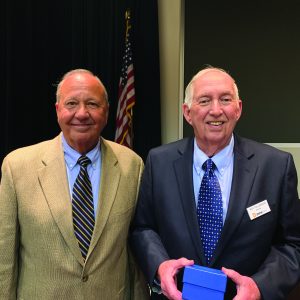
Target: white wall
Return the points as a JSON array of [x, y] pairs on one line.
[[171, 35], [294, 149]]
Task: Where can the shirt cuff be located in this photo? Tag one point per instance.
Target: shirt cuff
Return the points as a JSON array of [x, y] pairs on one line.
[[155, 287]]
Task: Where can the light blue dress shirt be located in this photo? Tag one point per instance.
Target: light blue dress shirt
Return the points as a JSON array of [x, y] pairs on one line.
[[94, 168], [224, 163]]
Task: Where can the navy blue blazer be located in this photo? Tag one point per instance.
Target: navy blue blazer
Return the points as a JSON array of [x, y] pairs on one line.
[[267, 248]]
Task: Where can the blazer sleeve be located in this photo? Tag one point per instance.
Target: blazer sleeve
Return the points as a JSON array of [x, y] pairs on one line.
[[281, 269], [139, 289], [144, 239], [9, 234], [138, 286]]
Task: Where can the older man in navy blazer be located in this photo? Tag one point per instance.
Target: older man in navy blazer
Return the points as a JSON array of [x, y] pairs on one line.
[[258, 247]]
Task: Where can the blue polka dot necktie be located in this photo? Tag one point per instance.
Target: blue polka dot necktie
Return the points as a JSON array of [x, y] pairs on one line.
[[209, 210], [83, 207]]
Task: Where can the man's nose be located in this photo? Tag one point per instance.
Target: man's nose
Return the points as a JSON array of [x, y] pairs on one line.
[[82, 111], [216, 107]]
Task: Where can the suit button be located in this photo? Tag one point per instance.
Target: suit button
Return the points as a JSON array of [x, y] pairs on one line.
[[85, 278]]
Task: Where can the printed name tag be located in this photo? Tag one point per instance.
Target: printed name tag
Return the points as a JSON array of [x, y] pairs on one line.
[[258, 209]]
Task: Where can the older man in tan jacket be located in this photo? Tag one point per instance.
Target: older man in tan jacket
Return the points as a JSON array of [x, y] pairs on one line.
[[40, 255]]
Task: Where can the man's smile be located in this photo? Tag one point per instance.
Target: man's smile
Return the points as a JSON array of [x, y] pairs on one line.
[[215, 123]]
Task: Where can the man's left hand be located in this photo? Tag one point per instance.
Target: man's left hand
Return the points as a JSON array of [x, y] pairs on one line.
[[246, 286]]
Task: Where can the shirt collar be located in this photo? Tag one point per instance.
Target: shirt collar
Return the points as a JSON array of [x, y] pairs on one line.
[[221, 159], [72, 156]]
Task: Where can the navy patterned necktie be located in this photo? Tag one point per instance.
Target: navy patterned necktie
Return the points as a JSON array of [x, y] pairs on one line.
[[83, 207], [209, 210]]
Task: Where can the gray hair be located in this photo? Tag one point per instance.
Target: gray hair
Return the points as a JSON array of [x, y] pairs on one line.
[[189, 91], [78, 71]]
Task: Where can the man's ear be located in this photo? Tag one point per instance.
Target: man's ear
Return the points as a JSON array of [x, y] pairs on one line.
[[107, 114], [186, 113], [239, 112]]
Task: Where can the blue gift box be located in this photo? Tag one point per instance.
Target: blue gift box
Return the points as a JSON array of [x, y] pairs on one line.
[[203, 283]]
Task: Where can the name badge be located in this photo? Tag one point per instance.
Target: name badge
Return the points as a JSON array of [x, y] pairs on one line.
[[258, 209]]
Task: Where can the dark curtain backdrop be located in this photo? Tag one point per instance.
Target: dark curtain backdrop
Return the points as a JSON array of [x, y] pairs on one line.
[[42, 40]]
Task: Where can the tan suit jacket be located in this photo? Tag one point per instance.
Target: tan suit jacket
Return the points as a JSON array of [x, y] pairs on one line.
[[39, 254]]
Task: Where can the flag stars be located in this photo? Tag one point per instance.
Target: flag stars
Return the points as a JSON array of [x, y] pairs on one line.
[[126, 98]]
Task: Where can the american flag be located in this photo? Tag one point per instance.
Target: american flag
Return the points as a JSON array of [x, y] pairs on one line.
[[126, 98]]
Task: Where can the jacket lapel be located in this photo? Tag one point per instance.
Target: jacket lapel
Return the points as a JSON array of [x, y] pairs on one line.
[[184, 175], [110, 178], [243, 176], [54, 183]]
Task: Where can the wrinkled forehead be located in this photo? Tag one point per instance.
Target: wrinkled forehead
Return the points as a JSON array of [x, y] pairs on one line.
[[213, 81], [213, 75], [81, 82], [80, 79]]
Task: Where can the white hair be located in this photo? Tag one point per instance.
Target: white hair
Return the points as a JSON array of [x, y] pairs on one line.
[[78, 71], [189, 91]]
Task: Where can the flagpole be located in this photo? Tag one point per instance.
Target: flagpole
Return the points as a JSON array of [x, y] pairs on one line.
[[126, 101], [127, 18], [128, 27]]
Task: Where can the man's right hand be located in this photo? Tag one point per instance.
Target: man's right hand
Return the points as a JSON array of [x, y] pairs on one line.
[[167, 272]]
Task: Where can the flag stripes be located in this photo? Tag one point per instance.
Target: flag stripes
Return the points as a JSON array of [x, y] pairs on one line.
[[126, 95]]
